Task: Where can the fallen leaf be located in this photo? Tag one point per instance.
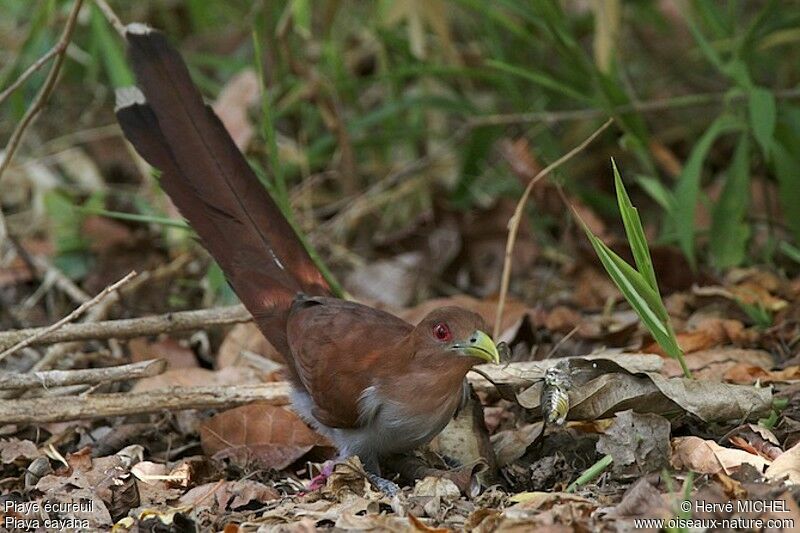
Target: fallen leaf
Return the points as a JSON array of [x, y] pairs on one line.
[[198, 377], [436, 487], [13, 449], [173, 352], [708, 457], [244, 339], [511, 444], [229, 495], [270, 436], [637, 442], [786, 465], [712, 364]]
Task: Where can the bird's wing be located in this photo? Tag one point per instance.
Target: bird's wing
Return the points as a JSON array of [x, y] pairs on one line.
[[213, 186], [342, 348]]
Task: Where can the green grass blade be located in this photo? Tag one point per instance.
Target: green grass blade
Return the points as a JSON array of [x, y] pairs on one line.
[[729, 231], [634, 231], [540, 79], [687, 192], [763, 118]]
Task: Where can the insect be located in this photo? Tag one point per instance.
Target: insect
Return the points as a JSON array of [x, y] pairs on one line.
[[555, 393]]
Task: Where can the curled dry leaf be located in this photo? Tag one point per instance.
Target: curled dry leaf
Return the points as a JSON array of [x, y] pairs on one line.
[[511, 444], [786, 466], [708, 457], [262, 434], [602, 386]]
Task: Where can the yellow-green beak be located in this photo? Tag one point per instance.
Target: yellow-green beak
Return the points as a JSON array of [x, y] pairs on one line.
[[480, 345]]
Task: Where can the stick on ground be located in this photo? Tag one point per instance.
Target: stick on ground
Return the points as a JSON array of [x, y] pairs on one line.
[[41, 410], [61, 378], [131, 327]]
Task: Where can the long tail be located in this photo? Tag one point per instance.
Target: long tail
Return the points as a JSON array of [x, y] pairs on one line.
[[212, 185]]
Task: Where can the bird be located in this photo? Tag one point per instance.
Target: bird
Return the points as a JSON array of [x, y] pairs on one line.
[[372, 383]]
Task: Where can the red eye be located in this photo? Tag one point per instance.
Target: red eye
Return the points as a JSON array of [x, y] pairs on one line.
[[442, 332]]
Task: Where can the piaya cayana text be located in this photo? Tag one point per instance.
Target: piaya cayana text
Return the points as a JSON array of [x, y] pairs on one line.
[[371, 382]]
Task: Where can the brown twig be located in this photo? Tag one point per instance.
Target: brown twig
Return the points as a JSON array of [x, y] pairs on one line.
[[132, 327], [69, 318], [62, 378], [40, 410], [514, 221], [44, 93], [39, 63]]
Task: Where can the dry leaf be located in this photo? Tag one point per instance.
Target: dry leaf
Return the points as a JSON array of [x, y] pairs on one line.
[[786, 465], [12, 450], [270, 436], [637, 442], [708, 457], [198, 377], [242, 340], [173, 352]]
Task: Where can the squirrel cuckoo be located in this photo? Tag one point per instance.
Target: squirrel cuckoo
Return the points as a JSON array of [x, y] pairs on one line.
[[372, 383]]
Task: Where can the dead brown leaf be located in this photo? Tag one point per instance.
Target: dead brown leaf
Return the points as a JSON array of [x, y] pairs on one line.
[[708, 457], [637, 442], [712, 364], [744, 373], [12, 450], [173, 352], [244, 339], [786, 465], [270, 436], [198, 377]]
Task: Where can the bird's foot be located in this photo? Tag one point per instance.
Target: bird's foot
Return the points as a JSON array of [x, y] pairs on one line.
[[319, 481], [390, 488]]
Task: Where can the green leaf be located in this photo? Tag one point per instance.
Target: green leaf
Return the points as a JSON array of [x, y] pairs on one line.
[[787, 170], [763, 117], [633, 287], [110, 50], [729, 232], [540, 78], [634, 231], [687, 191], [790, 251], [301, 16], [656, 190]]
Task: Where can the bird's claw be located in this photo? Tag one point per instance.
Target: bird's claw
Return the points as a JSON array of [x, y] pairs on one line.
[[390, 488]]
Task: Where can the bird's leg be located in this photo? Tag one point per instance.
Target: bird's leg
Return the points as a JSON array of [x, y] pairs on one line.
[[386, 486], [373, 471]]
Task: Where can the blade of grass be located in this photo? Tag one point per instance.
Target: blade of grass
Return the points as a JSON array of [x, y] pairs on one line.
[[540, 79], [729, 232], [634, 231], [687, 191]]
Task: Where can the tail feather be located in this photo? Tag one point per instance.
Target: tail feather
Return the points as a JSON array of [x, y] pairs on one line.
[[213, 186]]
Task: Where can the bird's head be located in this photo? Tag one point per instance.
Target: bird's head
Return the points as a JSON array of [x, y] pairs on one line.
[[455, 331]]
